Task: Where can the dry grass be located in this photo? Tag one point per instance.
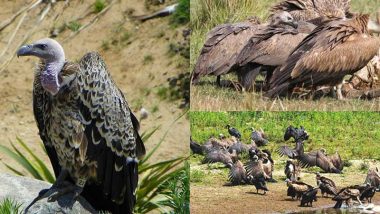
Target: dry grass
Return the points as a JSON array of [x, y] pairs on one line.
[[206, 14]]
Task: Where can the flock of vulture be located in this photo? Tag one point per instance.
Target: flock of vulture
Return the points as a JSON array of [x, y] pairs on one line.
[[305, 46], [260, 166]]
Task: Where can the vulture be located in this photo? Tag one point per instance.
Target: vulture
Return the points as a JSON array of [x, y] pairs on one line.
[[315, 11], [233, 132], [297, 188], [296, 133], [237, 174], [195, 147], [308, 197], [223, 44], [256, 174], [329, 53], [268, 48], [320, 159], [218, 155], [367, 193], [259, 137], [292, 153], [373, 178], [239, 147], [268, 164], [88, 130], [292, 170], [346, 195], [326, 185], [161, 13]]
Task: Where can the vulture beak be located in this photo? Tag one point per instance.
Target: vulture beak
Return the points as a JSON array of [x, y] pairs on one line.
[[373, 27], [25, 50], [294, 24]]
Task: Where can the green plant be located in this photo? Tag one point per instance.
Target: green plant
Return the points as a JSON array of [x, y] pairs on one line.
[[181, 15], [99, 5], [147, 59], [9, 206], [74, 26]]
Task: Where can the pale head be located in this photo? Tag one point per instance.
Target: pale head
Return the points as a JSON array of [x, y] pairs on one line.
[[46, 49], [283, 18]]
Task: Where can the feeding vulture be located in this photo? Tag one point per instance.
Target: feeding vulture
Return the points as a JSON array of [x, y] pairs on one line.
[[237, 174], [233, 132], [332, 51], [373, 178], [292, 170], [315, 11], [346, 194], [326, 185], [267, 49], [320, 159], [308, 197], [297, 188], [223, 44], [88, 130]]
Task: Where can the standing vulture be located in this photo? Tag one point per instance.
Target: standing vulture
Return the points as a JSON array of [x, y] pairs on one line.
[[297, 188], [373, 178], [314, 11], [292, 170], [223, 44], [233, 132], [326, 185], [268, 48], [332, 51], [87, 127], [237, 174]]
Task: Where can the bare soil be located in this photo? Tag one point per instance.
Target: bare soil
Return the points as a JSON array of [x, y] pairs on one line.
[[124, 45]]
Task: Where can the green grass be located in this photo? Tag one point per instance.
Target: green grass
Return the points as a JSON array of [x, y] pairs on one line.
[[148, 59], [74, 26], [99, 5], [353, 134], [181, 15], [206, 14], [9, 206]]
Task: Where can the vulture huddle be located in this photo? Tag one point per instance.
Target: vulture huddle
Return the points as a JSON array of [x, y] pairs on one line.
[[88, 130], [305, 45]]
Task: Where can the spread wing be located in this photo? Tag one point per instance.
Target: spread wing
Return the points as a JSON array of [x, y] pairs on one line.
[[111, 131], [285, 150]]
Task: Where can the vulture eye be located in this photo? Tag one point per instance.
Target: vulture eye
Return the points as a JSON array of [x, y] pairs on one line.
[[42, 46]]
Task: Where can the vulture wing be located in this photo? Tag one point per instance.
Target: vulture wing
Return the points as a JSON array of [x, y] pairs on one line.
[[111, 130], [325, 56], [285, 150]]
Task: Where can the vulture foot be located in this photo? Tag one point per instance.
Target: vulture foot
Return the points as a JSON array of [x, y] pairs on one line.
[[74, 189]]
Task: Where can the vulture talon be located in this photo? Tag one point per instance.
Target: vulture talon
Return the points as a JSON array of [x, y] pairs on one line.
[[75, 190]]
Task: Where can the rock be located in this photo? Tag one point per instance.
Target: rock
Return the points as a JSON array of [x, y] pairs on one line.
[[24, 190]]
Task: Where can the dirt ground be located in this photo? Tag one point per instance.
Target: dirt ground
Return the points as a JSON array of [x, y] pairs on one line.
[[221, 198], [126, 59]]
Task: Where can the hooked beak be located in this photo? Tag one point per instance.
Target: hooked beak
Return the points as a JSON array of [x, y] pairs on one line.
[[294, 24], [373, 27], [25, 50]]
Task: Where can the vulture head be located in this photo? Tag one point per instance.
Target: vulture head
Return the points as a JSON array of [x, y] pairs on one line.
[[283, 18], [52, 55]]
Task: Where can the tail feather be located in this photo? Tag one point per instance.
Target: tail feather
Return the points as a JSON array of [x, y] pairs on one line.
[[280, 90]]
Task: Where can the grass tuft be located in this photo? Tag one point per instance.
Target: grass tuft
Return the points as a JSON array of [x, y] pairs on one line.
[[99, 5], [9, 206]]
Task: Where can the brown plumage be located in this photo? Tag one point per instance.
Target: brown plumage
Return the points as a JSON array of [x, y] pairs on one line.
[[268, 48], [218, 155], [237, 174], [373, 178], [346, 195], [324, 57], [315, 11], [326, 185], [320, 159], [297, 188], [223, 44]]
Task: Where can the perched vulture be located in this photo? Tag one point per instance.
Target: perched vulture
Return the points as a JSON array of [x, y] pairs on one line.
[[238, 174], [223, 44], [233, 132], [268, 48], [318, 158], [326, 185], [218, 155], [315, 11], [256, 174], [88, 130], [346, 194], [259, 137], [308, 197], [373, 178], [297, 188], [332, 51], [292, 170], [195, 147]]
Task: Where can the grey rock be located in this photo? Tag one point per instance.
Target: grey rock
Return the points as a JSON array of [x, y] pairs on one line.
[[24, 190]]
